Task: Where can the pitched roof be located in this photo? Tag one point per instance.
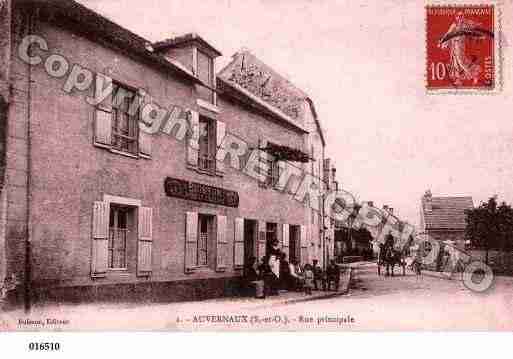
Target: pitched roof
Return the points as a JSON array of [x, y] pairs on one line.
[[249, 73], [317, 122], [447, 212], [98, 28], [249, 79]]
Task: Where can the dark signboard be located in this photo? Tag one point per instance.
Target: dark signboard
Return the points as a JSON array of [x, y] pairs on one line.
[[194, 191]]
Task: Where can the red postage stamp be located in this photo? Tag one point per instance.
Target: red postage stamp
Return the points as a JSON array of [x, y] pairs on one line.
[[462, 48]]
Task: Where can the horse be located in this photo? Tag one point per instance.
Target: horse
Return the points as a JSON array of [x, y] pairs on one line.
[[389, 257]]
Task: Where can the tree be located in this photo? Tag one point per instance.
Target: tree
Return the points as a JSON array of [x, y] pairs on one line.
[[490, 226], [505, 226]]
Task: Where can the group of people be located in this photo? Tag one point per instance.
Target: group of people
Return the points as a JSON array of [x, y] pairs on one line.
[[274, 273]]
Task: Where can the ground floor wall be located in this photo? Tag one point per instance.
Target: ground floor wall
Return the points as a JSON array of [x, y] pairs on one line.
[[149, 292], [456, 237], [63, 247]]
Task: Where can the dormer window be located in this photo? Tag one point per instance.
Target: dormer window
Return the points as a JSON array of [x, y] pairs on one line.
[[196, 55], [205, 72]]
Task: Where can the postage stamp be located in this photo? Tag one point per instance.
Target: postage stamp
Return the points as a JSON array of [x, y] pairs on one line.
[[462, 48]]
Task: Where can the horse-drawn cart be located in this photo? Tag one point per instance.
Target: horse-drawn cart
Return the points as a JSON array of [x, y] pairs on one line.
[[389, 257]]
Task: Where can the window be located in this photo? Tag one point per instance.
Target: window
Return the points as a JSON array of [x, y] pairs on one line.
[[124, 125], [206, 243], [119, 231], [205, 69], [205, 236], [273, 172], [121, 237], [207, 145]]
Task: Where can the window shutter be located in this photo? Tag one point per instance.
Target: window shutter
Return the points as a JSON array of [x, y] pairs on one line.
[[220, 133], [191, 241], [304, 245], [145, 241], [279, 167], [145, 143], [222, 244], [100, 239], [103, 113], [193, 139], [238, 246], [263, 158], [285, 239], [261, 241], [145, 138]]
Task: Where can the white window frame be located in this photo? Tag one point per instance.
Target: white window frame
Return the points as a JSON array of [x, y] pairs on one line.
[[123, 201]]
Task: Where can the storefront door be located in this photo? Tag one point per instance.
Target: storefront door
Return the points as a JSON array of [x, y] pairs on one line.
[[294, 244], [250, 232]]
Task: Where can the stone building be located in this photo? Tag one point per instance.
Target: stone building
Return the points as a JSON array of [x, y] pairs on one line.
[[94, 208], [443, 218]]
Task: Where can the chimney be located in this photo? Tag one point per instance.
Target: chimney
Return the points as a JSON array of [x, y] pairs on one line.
[[391, 210], [370, 203], [385, 207], [426, 201]]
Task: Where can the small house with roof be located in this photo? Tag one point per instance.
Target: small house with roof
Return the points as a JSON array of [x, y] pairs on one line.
[[443, 218]]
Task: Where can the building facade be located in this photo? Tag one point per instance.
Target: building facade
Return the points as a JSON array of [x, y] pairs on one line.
[[247, 74], [93, 207]]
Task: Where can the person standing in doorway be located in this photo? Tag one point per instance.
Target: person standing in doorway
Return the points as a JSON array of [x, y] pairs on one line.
[[318, 276], [309, 279], [285, 278], [333, 275]]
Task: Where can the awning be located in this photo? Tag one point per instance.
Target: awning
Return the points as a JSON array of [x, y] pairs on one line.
[[286, 153]]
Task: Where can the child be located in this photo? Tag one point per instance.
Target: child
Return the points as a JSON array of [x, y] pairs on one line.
[[309, 279], [416, 267]]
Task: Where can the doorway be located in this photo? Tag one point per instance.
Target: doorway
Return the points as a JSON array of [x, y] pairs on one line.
[[250, 231], [271, 236], [294, 244]]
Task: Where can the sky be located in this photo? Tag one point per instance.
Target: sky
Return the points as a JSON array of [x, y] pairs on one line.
[[362, 62]]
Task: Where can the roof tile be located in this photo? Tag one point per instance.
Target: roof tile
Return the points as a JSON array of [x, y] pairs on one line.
[[447, 212]]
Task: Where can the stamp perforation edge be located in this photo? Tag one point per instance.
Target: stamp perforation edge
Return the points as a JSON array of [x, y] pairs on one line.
[[498, 50]]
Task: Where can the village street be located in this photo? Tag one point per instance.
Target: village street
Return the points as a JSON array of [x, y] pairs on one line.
[[374, 303]]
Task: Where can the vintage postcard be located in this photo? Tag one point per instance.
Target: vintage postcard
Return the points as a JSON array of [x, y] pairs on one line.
[[255, 166]]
